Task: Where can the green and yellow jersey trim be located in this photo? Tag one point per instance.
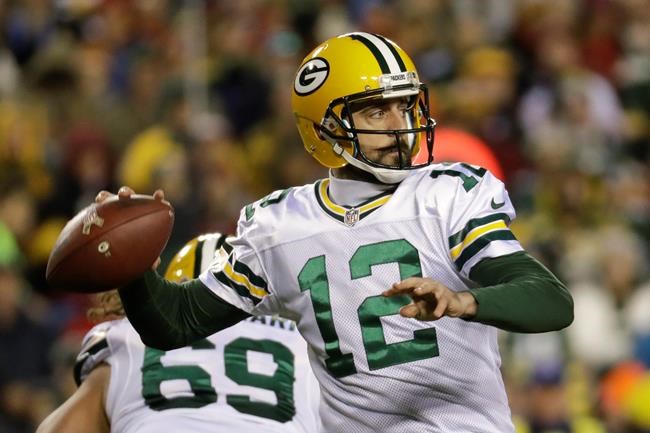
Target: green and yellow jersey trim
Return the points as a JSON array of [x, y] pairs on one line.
[[245, 279], [338, 212], [476, 235], [241, 279]]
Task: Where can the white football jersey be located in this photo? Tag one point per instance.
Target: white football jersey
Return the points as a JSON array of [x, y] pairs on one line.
[[253, 377], [299, 254]]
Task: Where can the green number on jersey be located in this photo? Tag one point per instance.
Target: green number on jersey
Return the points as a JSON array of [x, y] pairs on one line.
[[469, 182], [236, 368], [273, 198], [313, 277], [424, 344], [281, 383], [154, 374], [379, 354]]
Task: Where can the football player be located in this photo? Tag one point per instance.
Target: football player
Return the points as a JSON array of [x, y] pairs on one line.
[[251, 378], [397, 275]]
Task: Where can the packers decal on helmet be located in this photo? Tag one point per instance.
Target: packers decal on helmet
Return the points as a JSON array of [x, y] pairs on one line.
[[311, 76]]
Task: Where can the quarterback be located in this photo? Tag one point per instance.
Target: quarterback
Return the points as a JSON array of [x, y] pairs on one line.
[[397, 275], [251, 378]]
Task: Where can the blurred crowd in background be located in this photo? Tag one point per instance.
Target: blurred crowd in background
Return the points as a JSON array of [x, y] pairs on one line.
[[194, 97]]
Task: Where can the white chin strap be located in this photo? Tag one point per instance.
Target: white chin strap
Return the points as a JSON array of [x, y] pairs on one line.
[[384, 175]]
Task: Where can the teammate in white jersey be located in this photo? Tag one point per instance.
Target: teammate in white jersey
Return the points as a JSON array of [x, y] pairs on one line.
[[397, 275], [251, 378]]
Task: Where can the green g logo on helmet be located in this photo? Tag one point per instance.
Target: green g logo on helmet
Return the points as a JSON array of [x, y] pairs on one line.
[[311, 76]]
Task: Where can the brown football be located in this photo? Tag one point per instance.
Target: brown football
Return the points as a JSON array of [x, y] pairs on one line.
[[110, 244]]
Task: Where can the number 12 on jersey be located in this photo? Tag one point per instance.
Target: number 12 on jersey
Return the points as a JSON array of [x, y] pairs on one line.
[[379, 354]]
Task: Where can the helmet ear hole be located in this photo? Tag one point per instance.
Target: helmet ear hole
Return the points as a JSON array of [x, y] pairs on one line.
[[317, 131]]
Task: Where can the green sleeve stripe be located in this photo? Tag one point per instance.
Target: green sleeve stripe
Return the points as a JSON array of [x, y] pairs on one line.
[[83, 357], [241, 290], [482, 242], [254, 279], [221, 242], [459, 237], [226, 246]]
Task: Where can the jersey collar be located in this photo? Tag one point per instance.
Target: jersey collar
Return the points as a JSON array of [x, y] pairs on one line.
[[349, 215]]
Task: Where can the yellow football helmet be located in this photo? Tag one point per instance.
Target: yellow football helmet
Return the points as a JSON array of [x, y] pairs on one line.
[[351, 68], [194, 257]]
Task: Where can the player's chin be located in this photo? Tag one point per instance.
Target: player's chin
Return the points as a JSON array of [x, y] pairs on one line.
[[390, 158], [393, 160]]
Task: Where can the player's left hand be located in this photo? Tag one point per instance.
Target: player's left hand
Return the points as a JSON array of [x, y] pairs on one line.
[[432, 300]]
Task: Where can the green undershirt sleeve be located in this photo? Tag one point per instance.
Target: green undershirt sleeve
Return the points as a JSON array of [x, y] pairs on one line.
[[519, 294], [170, 315]]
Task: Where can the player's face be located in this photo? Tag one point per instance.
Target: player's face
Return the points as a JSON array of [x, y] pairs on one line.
[[386, 114]]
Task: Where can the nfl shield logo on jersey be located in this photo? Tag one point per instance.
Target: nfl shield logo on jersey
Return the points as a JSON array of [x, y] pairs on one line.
[[351, 217]]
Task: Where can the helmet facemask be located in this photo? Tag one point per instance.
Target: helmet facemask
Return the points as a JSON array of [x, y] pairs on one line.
[[338, 128]]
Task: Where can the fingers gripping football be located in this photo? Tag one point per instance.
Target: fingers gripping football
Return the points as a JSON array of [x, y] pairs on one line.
[[431, 300], [127, 192], [111, 242]]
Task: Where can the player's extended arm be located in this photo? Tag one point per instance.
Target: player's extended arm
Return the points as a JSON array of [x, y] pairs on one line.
[[170, 315], [519, 294], [84, 411], [516, 293]]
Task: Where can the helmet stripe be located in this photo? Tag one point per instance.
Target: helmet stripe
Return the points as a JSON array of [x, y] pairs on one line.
[[198, 260], [389, 62], [391, 47], [375, 52], [206, 251]]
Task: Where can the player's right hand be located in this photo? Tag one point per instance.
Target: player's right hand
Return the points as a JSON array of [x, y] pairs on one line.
[[125, 192]]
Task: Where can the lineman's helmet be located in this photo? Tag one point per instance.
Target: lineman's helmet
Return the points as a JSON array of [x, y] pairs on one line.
[[194, 257]]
